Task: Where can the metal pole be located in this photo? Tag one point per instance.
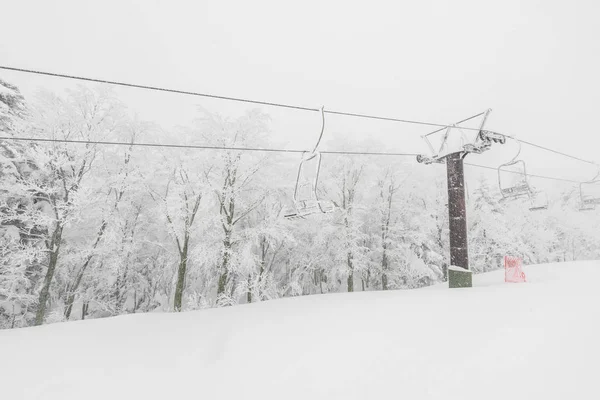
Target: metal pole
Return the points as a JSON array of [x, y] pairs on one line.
[[458, 272], [459, 250]]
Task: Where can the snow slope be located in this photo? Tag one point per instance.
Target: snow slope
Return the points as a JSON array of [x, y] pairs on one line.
[[539, 340]]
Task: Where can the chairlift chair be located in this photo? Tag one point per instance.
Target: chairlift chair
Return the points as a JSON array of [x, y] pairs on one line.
[[514, 190], [519, 189], [304, 207], [311, 204], [586, 205], [539, 201], [589, 200]]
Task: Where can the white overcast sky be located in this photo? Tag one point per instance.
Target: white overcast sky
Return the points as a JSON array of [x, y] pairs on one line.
[[535, 63]]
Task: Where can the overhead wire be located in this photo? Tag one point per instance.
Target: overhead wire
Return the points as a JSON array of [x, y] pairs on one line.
[[459, 122], [557, 152], [254, 149], [521, 173], [289, 106], [236, 99], [201, 147]]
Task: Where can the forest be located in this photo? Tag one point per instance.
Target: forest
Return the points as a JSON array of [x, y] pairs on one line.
[[94, 230]]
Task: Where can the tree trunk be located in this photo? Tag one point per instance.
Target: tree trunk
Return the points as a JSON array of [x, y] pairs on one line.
[[73, 288], [385, 228], [384, 268], [69, 306], [350, 274], [225, 263], [181, 272], [249, 294], [84, 310], [45, 292], [222, 280], [14, 318], [441, 246]]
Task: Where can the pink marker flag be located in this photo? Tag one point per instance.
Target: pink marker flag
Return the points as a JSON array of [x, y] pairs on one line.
[[513, 270]]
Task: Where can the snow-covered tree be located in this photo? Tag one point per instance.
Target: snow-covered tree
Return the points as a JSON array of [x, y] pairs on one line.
[[489, 236], [232, 181], [59, 189], [347, 189], [90, 230], [186, 186]]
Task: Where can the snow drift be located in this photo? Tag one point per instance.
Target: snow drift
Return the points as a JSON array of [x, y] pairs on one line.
[[537, 340]]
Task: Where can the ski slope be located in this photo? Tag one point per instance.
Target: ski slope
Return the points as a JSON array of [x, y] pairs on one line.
[[538, 340]]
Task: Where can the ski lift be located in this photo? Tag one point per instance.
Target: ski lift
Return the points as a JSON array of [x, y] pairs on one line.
[[521, 188], [482, 142], [539, 201], [588, 198], [310, 205]]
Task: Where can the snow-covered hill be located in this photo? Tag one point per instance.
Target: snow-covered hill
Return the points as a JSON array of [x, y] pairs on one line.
[[539, 340]]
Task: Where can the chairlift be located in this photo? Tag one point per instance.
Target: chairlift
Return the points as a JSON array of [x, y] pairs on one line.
[[483, 141], [522, 188], [539, 201], [311, 204], [588, 198], [514, 190]]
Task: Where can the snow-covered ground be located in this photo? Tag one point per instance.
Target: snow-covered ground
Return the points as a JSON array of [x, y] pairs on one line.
[[538, 340]]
